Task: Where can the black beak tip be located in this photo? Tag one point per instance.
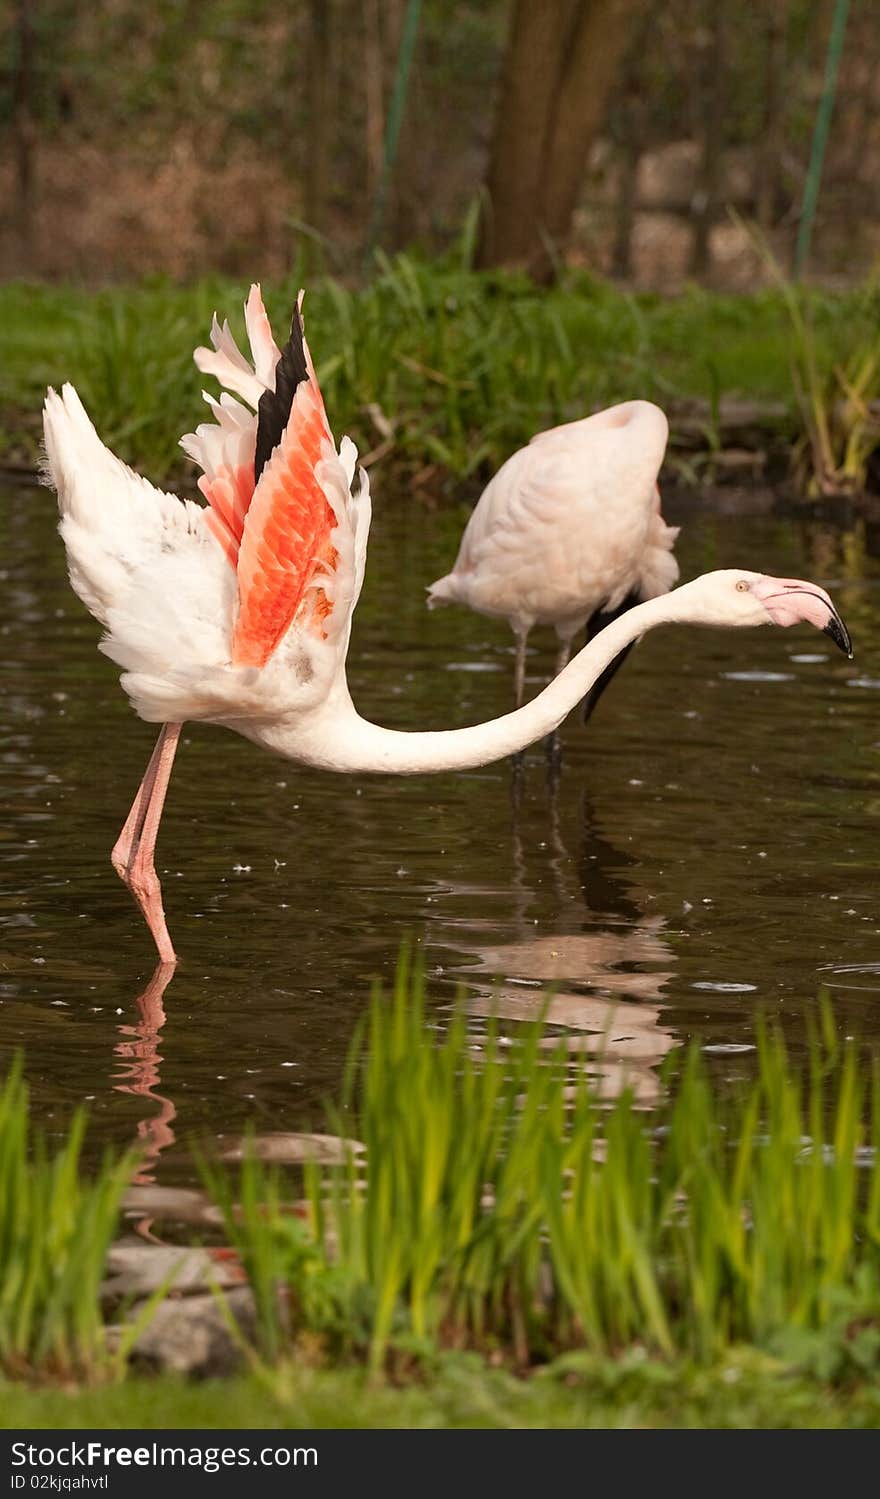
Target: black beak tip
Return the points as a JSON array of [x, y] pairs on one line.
[[839, 634]]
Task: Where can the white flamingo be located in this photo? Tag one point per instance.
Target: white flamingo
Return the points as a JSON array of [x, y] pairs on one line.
[[569, 533], [239, 613]]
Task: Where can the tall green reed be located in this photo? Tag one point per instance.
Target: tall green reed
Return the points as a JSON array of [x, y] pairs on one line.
[[56, 1226], [836, 379], [503, 1206], [839, 405]]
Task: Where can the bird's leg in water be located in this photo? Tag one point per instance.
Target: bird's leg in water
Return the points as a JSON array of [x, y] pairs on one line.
[[519, 667], [131, 828], [553, 742], [562, 656], [517, 779], [519, 683], [134, 849]]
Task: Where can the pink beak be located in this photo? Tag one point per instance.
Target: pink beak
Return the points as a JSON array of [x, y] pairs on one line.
[[791, 601]]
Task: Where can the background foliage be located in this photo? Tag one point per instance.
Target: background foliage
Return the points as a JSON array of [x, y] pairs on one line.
[[193, 136]]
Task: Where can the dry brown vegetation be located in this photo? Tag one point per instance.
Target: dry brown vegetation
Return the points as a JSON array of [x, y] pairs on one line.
[[194, 137]]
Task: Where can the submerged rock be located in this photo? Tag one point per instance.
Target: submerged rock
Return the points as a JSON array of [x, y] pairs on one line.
[[291, 1149], [138, 1269], [191, 1335]]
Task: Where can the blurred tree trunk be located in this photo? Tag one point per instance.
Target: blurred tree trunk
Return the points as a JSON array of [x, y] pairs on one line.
[[769, 166], [24, 131], [707, 198], [319, 94], [590, 66], [559, 68], [529, 80]]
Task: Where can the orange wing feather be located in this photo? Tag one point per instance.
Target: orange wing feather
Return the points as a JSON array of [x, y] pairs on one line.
[[286, 535], [229, 495]]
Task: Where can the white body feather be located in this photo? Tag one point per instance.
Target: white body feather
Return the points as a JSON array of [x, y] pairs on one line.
[[569, 524]]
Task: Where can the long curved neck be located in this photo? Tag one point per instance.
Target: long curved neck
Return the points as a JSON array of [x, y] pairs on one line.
[[348, 742]]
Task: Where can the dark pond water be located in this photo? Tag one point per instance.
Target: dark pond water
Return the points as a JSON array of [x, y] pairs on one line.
[[712, 847]]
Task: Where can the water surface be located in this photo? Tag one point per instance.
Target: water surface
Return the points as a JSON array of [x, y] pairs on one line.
[[710, 850]]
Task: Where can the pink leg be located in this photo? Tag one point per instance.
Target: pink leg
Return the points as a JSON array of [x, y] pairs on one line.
[[131, 830], [133, 853]]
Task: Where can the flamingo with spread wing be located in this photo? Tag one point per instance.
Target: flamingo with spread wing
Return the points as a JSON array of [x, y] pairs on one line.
[[239, 612]]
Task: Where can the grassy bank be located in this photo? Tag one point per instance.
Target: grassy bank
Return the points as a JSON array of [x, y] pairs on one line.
[[492, 1244], [56, 1226], [742, 1392], [435, 369], [494, 1203]]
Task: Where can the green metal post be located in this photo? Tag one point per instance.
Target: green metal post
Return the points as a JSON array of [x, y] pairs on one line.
[[395, 118], [820, 136]]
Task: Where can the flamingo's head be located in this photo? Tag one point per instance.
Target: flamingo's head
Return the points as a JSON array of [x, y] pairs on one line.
[[734, 596]]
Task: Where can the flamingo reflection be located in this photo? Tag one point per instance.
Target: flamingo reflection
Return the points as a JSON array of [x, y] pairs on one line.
[[606, 1005], [142, 1073]]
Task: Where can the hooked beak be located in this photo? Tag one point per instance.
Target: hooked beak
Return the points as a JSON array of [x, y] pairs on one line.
[[788, 602], [834, 626], [839, 634]]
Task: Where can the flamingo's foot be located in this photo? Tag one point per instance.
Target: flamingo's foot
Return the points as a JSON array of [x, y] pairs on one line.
[[141, 879]]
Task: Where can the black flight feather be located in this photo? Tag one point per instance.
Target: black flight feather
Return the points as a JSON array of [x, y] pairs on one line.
[[273, 412], [595, 624]]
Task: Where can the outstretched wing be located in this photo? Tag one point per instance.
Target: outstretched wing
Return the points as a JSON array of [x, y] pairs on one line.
[[281, 496], [259, 625], [114, 523]]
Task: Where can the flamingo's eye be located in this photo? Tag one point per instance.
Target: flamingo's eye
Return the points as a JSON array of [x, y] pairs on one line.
[[742, 586]]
